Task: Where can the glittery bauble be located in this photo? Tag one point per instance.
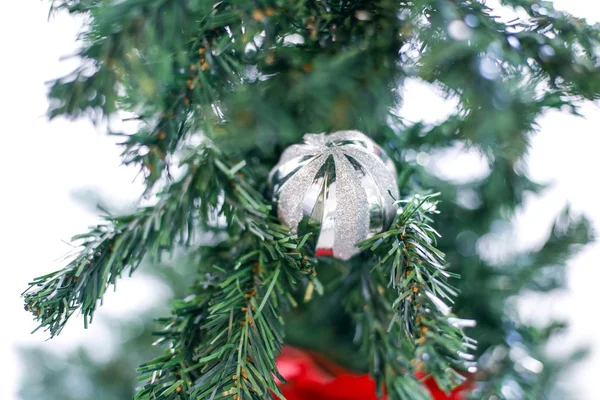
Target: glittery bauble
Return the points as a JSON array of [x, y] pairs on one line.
[[341, 185]]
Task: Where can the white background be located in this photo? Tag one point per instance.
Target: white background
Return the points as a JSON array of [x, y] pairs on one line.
[[42, 164]]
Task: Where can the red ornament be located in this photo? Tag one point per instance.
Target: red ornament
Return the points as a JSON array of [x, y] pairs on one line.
[[311, 376]]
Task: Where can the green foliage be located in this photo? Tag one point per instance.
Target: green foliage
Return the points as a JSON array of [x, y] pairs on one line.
[[413, 266], [247, 78], [81, 373], [225, 336], [119, 244], [380, 335]]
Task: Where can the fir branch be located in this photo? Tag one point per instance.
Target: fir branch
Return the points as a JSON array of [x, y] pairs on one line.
[[194, 57], [73, 6], [544, 270], [415, 269], [241, 360], [111, 248], [538, 62], [124, 48], [168, 375], [238, 326], [211, 186], [389, 354]]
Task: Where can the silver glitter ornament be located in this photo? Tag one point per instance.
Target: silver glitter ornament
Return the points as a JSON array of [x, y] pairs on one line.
[[341, 185]]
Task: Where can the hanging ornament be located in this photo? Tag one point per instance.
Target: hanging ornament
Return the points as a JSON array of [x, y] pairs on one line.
[[340, 185]]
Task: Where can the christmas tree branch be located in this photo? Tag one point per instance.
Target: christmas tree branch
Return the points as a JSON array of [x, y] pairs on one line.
[[211, 186], [116, 246], [415, 269], [122, 44], [544, 270], [167, 375], [388, 352], [542, 59], [195, 57], [224, 339]]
